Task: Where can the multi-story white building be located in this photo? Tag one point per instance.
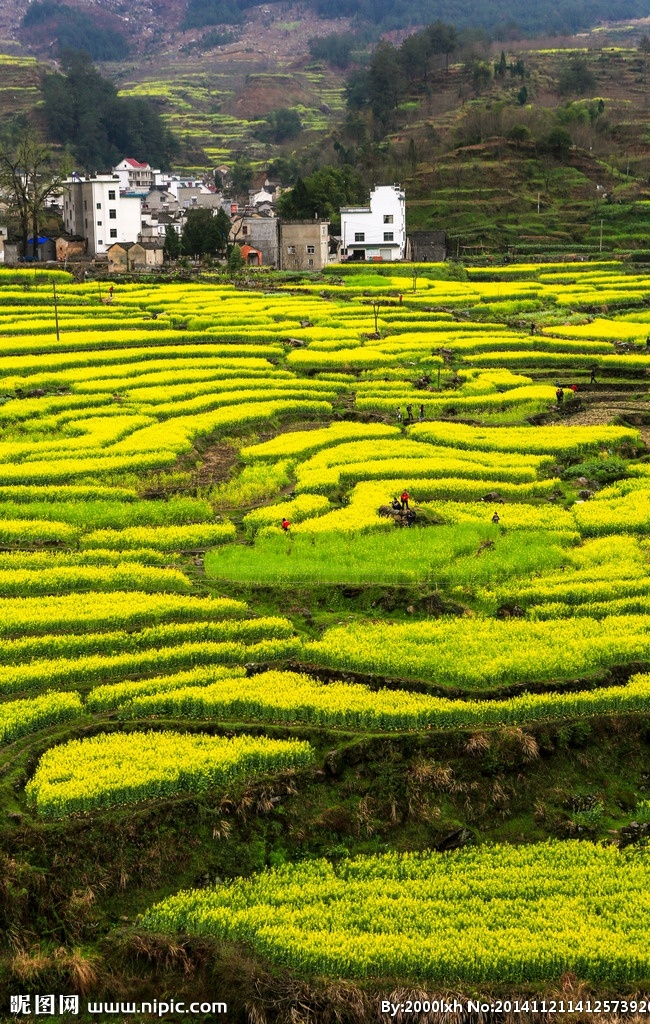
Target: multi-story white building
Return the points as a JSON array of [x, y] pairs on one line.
[[135, 176], [377, 231], [94, 209]]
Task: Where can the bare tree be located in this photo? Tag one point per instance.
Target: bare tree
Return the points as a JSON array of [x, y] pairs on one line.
[[27, 180]]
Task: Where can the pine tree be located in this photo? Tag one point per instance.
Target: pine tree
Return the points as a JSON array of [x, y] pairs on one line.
[[235, 260]]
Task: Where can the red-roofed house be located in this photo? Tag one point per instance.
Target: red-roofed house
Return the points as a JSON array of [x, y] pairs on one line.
[[135, 176]]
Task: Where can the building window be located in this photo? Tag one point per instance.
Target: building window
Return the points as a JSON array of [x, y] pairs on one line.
[[112, 214], [388, 218], [310, 263], [111, 194], [113, 232], [311, 249], [99, 206], [85, 204], [99, 223], [100, 241], [359, 236], [323, 229], [291, 249], [388, 236]]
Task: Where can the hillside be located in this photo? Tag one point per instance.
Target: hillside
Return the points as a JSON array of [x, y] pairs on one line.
[[521, 161], [19, 88], [214, 101], [473, 147], [47, 27], [363, 757]]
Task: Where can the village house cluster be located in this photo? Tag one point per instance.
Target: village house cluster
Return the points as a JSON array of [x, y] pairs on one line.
[[120, 219]]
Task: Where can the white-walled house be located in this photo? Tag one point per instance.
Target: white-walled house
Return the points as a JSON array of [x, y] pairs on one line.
[[135, 176], [377, 231], [94, 209], [172, 182]]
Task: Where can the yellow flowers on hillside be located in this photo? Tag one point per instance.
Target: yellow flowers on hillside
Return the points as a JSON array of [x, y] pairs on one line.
[[19, 717], [90, 612], [553, 440], [305, 506], [290, 698], [506, 914], [478, 654], [67, 579], [87, 774], [124, 442], [163, 538], [302, 443]]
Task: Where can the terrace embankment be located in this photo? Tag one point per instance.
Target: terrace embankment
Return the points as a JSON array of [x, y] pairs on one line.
[[83, 880], [614, 406], [617, 675]]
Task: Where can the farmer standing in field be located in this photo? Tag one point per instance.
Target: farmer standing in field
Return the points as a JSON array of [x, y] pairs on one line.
[[405, 500], [399, 414], [286, 524], [496, 518], [559, 394], [421, 416], [409, 410], [592, 378]]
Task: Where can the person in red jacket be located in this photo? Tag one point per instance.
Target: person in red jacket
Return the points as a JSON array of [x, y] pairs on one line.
[[285, 524], [405, 500]]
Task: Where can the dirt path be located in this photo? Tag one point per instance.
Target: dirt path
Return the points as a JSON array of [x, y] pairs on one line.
[[604, 407], [216, 466]]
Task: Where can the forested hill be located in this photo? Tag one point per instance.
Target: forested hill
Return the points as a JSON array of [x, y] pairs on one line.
[[82, 111], [564, 16], [546, 16], [108, 35]]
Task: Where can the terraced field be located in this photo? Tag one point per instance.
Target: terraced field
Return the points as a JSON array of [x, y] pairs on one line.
[[215, 103], [233, 665], [20, 85]]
